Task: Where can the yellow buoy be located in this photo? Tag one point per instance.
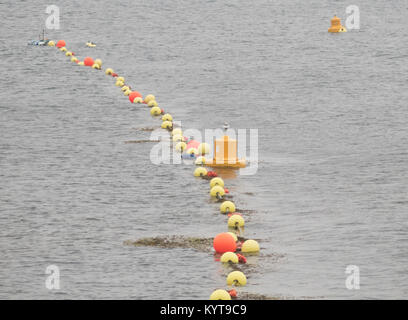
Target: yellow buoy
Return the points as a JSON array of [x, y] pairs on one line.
[[227, 207], [119, 83], [68, 53], [200, 172], [220, 295], [177, 131], [81, 63], [250, 246], [217, 191], [167, 117], [336, 25], [120, 79], [152, 103], [96, 66], [229, 257], [137, 100], [203, 148], [109, 71], [74, 59], [127, 92], [63, 49], [200, 160], [51, 43], [234, 235], [236, 221], [181, 146], [149, 97], [225, 154], [98, 62], [124, 88], [166, 124], [236, 278], [192, 151], [216, 182], [178, 138], [155, 111]]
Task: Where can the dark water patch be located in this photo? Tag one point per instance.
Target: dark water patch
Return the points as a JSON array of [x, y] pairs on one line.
[[200, 244], [257, 296]]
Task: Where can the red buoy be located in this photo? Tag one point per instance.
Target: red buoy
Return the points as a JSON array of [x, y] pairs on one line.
[[60, 44], [88, 61], [224, 242]]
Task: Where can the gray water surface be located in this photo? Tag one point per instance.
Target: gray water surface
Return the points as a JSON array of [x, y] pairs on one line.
[[331, 110]]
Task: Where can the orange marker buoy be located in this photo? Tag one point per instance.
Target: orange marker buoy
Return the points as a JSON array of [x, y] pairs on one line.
[[60, 44], [336, 25], [88, 61], [133, 95], [224, 242], [225, 154]]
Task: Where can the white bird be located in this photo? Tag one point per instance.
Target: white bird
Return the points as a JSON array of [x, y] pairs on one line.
[[226, 126]]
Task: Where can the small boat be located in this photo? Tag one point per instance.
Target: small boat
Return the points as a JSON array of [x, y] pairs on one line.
[[41, 40], [90, 44], [38, 42]]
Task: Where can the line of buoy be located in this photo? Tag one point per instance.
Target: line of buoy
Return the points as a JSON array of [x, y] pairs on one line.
[[226, 243]]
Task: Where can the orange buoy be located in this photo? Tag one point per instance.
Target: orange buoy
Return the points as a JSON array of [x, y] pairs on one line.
[[336, 25], [88, 61], [133, 95], [225, 154], [60, 44], [224, 242]]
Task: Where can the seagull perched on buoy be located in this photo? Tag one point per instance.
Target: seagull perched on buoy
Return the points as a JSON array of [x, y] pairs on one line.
[[226, 126]]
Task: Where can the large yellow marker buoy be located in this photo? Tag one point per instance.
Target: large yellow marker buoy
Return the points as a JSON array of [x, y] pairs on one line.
[[217, 181], [227, 207], [229, 257], [178, 138], [203, 148], [225, 154], [236, 278], [177, 131], [152, 103], [155, 111], [336, 25], [98, 62], [200, 161], [137, 100], [167, 124], [149, 97], [250, 246], [217, 191], [167, 117], [220, 295], [181, 146], [236, 221], [200, 172]]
